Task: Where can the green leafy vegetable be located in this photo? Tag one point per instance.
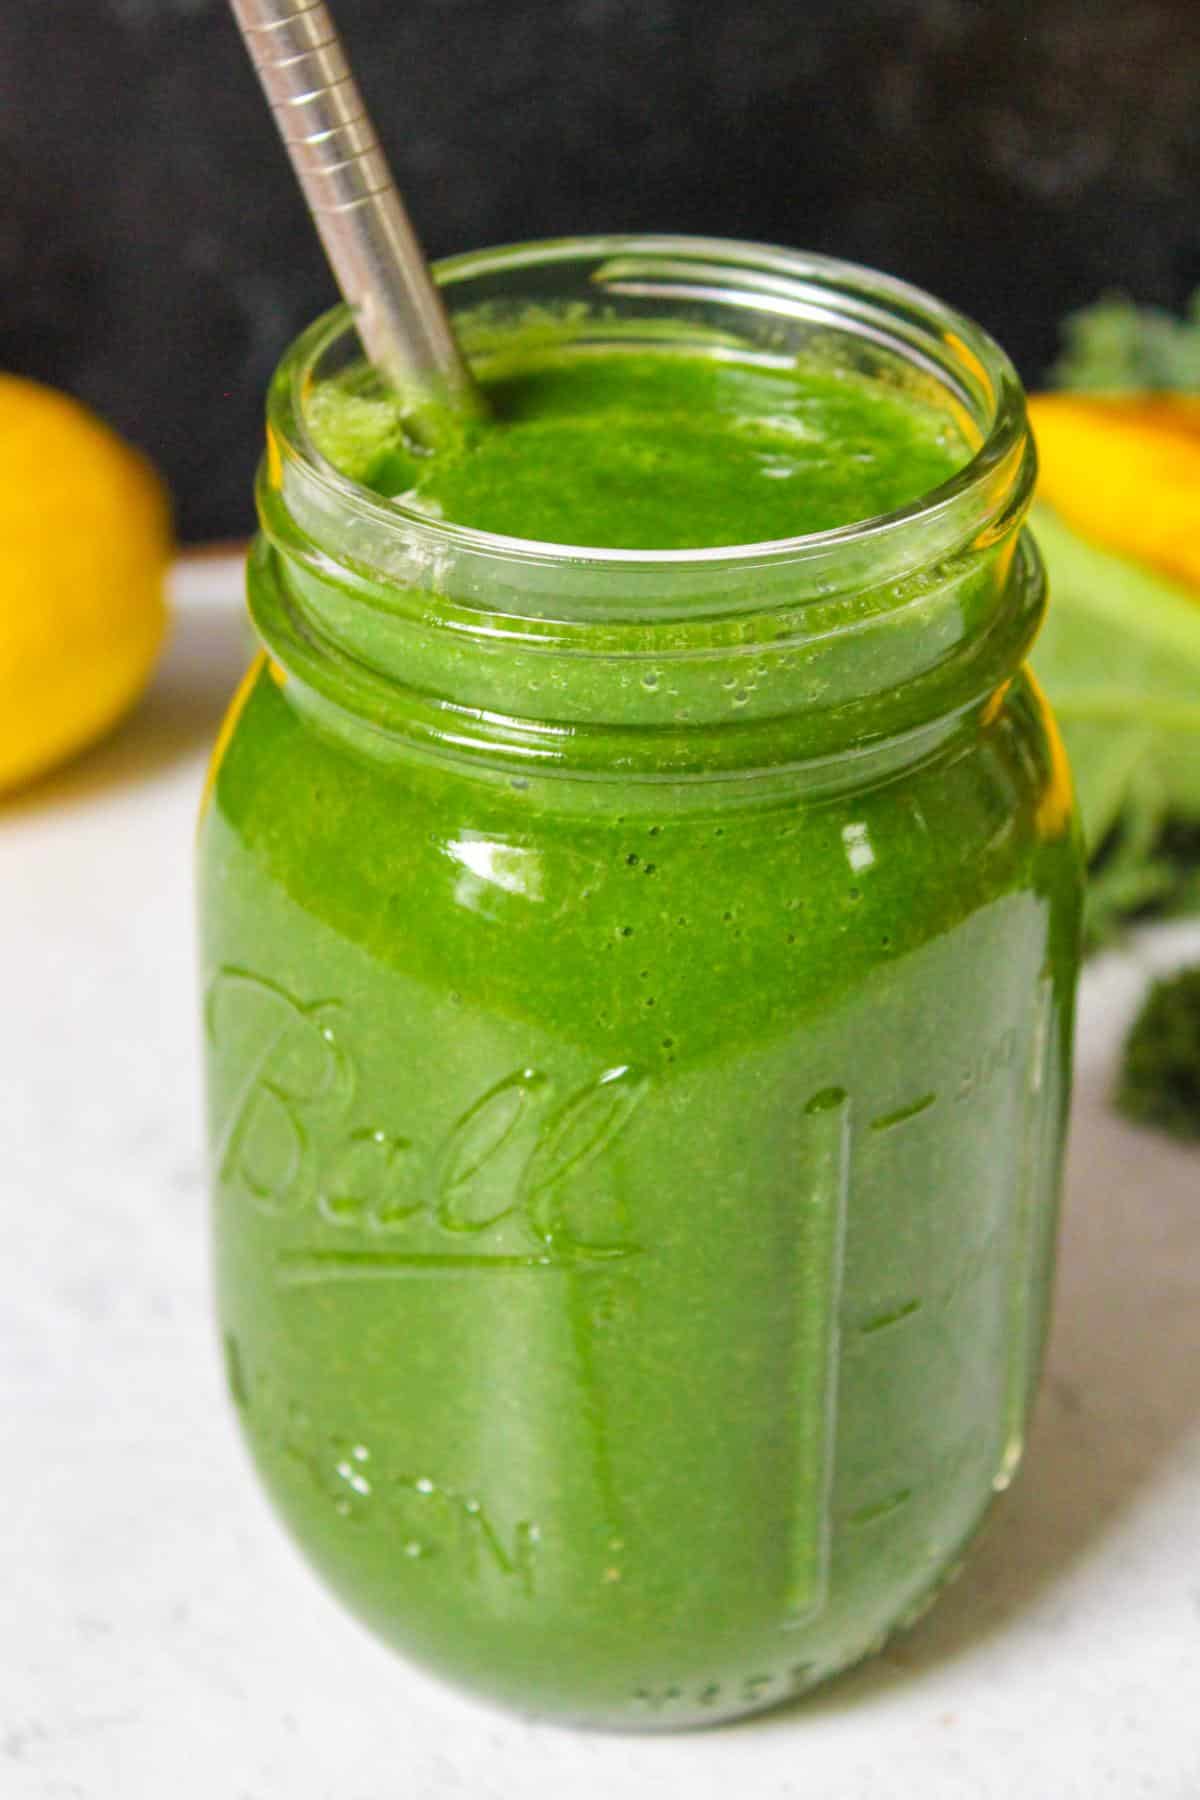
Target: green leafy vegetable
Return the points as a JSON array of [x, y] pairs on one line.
[[1160, 1076], [1120, 653], [1119, 656], [1116, 346]]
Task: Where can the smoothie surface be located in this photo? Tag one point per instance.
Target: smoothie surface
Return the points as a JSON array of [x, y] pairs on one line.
[[652, 449]]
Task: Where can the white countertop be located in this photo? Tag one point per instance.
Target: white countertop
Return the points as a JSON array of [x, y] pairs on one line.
[[160, 1639]]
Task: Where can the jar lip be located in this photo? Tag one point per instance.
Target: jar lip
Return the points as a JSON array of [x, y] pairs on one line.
[[869, 299]]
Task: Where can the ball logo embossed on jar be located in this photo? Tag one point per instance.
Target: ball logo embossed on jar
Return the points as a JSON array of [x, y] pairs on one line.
[[511, 1153]]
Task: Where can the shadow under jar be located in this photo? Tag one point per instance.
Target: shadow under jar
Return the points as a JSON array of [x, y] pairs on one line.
[[637, 999]]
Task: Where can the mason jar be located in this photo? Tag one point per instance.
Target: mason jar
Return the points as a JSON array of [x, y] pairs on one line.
[[637, 997]]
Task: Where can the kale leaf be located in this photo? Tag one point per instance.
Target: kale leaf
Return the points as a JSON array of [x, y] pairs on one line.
[[1120, 653], [1160, 1074], [1117, 346]]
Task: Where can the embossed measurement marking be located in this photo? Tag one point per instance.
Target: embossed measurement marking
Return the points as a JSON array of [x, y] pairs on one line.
[[1036, 1219], [818, 1228], [907, 1310], [881, 1509], [902, 1114]]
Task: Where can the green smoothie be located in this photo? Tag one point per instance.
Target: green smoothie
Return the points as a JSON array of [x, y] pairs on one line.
[[635, 449], [637, 1002]]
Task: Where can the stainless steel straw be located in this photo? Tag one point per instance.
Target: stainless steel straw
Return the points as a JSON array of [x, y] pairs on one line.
[[354, 201]]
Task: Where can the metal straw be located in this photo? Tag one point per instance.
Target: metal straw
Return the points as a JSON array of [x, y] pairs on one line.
[[354, 201]]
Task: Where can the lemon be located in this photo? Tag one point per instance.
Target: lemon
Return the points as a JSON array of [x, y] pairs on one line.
[[1124, 470], [85, 538]]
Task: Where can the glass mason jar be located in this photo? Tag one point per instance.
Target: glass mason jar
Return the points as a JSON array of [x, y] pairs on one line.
[[638, 993]]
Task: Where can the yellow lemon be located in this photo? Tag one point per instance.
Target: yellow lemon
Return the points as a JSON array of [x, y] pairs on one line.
[[85, 538], [1125, 471]]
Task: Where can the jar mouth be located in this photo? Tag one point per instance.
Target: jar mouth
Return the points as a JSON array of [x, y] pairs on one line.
[[659, 664], [809, 291]]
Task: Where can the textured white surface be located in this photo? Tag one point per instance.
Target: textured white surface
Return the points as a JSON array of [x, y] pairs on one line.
[[160, 1640]]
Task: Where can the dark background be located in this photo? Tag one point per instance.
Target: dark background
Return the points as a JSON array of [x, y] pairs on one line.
[[155, 255]]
